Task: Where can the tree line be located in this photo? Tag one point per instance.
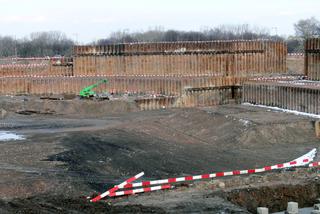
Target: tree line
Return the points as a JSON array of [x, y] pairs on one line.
[[54, 43], [40, 44], [222, 32]]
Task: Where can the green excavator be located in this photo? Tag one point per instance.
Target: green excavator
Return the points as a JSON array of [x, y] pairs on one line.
[[88, 92]]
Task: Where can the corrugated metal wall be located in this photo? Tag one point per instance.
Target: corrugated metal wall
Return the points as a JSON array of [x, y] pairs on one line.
[[215, 58], [293, 95], [28, 67], [312, 58], [189, 73]]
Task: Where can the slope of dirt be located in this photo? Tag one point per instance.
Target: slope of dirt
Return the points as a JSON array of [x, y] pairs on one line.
[[184, 143], [61, 204], [276, 197], [68, 108], [91, 152], [239, 194]]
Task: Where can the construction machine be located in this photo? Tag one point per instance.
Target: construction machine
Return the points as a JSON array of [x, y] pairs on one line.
[[88, 92]]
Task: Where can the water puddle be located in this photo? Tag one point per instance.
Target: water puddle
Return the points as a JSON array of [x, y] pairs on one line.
[[6, 136]]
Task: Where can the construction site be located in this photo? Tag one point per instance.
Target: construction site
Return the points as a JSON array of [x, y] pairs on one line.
[[212, 126]]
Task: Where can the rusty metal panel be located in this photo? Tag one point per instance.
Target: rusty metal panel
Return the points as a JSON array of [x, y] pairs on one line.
[[226, 51], [291, 94], [312, 58], [156, 68]]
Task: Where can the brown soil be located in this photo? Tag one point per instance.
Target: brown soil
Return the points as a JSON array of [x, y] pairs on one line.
[[86, 147], [295, 65], [276, 197]]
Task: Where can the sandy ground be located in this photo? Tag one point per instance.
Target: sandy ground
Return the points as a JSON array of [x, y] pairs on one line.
[[295, 65], [78, 150]]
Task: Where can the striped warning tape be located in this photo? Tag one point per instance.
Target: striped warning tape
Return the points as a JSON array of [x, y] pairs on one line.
[[141, 190], [214, 175], [28, 58], [301, 161], [165, 183], [115, 188], [22, 65], [314, 164], [310, 155], [168, 186]]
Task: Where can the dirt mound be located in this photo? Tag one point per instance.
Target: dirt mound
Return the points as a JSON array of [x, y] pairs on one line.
[[276, 197], [185, 142], [77, 156], [70, 108], [115, 154]]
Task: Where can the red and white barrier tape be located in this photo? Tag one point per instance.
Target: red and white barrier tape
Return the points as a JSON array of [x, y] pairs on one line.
[[141, 190], [165, 183], [301, 161], [115, 188], [314, 164], [310, 155], [296, 54], [30, 58], [214, 175], [22, 65], [167, 186]]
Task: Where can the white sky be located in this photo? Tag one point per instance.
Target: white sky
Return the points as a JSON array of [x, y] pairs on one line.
[[89, 20]]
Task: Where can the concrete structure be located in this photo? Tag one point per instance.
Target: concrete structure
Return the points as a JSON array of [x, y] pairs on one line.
[[293, 208], [262, 210], [316, 206]]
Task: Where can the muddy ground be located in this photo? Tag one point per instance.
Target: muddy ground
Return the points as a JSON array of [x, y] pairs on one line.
[[74, 149]]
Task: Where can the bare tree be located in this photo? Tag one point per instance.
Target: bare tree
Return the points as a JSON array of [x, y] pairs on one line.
[[306, 28], [45, 44], [57, 43], [223, 32], [7, 46]]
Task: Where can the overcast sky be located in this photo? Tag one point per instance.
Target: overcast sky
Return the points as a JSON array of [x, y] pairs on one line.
[[89, 20]]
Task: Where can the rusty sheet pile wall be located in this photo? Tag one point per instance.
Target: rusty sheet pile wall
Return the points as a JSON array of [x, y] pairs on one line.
[[28, 67], [312, 58], [186, 73], [170, 86], [303, 96], [193, 98], [72, 85], [214, 58]]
